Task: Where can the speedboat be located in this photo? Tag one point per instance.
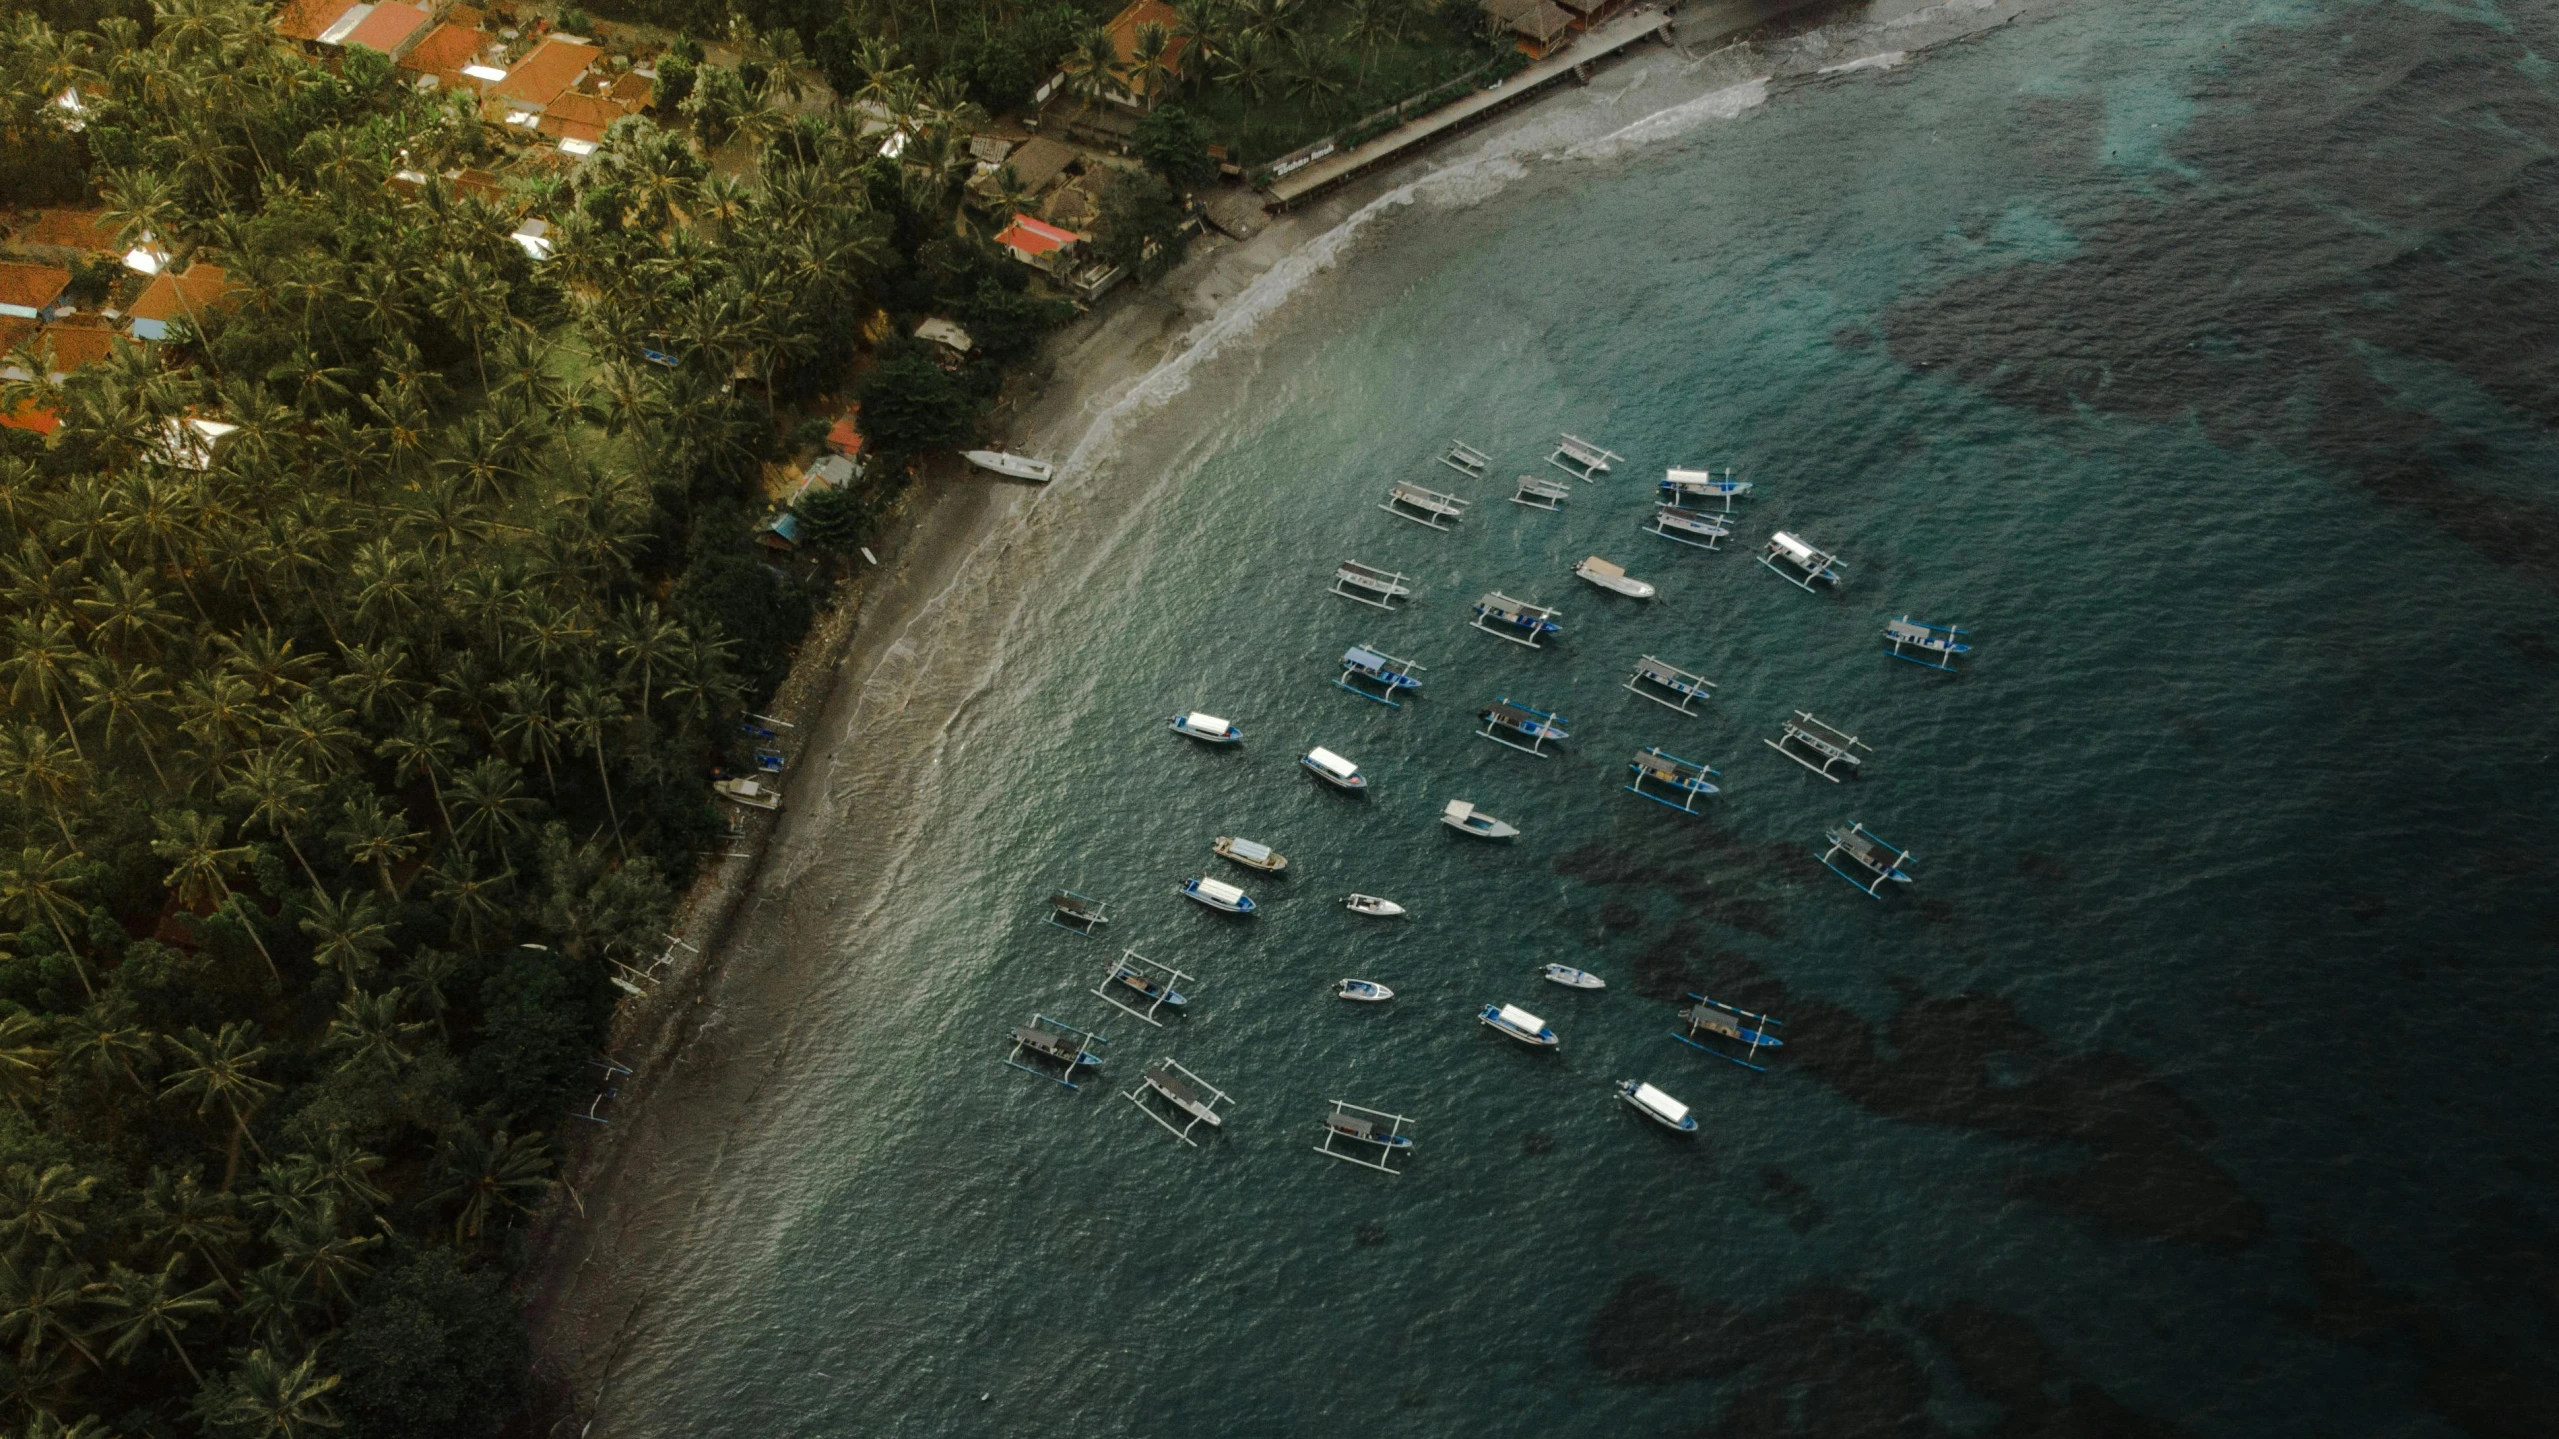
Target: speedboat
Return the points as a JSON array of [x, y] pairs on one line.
[[1571, 978], [1363, 990], [1332, 769], [1019, 467], [1370, 904], [1250, 854], [1613, 577], [1218, 894], [1656, 1106], [1519, 1024], [1207, 728], [1149, 986], [1462, 816]]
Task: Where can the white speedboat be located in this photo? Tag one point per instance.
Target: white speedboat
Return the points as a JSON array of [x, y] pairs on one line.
[[1365, 991], [1571, 978], [1206, 728], [1218, 894], [1613, 577], [1371, 905], [1018, 467], [1332, 769], [1462, 816], [1251, 854], [1519, 1024], [747, 792], [1656, 1106]]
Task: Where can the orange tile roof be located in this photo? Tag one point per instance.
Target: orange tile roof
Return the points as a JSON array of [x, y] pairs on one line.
[[1124, 26], [554, 66], [632, 90], [32, 286], [77, 345], [170, 297], [388, 27], [305, 19], [445, 50], [1033, 237], [71, 230], [28, 417], [845, 437], [15, 332], [579, 108]]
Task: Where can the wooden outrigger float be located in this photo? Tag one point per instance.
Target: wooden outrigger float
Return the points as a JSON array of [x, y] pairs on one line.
[[1144, 982], [1519, 621], [1541, 494], [1663, 675], [1370, 585], [1685, 778], [1184, 1092], [1076, 913], [1807, 563], [1527, 721], [1689, 527], [1715, 1018], [1937, 644], [1831, 744], [1881, 859], [1467, 460], [1423, 506], [1581, 459], [1371, 665], [1682, 486], [1057, 1040], [1358, 1124]]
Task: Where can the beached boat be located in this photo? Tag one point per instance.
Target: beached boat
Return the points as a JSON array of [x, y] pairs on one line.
[[1685, 485], [1689, 527], [1363, 991], [1332, 769], [1797, 562], [1519, 621], [1018, 467], [1519, 1024], [1571, 978], [1251, 855], [1131, 977], [1218, 894], [1206, 728], [1656, 1106], [1613, 578], [747, 792], [1373, 906], [1462, 816]]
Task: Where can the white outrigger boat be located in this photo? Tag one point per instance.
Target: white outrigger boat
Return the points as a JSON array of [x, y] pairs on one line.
[[1656, 1106], [1206, 728], [1938, 645], [1218, 894], [1467, 460], [1362, 991], [1571, 978], [1581, 459], [1019, 467], [1683, 485], [1613, 577], [1374, 907], [1185, 1092], [1807, 563], [1332, 769], [1463, 817], [1429, 508], [1689, 527], [1519, 1024], [1381, 588], [1251, 854]]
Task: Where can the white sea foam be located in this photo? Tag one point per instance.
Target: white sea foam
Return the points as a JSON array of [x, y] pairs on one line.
[[1885, 61]]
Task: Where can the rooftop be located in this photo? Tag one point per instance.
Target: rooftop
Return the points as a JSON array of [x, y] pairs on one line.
[[389, 27], [445, 50], [170, 297], [1124, 27], [554, 66], [70, 230], [306, 19], [1032, 237], [32, 287]]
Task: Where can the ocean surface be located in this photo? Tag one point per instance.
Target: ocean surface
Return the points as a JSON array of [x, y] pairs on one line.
[[2197, 357]]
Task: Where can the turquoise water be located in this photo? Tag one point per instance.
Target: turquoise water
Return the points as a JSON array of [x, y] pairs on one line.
[[2197, 362]]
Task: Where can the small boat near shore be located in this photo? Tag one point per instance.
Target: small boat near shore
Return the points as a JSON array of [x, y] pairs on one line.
[[1656, 1106], [1251, 854], [1374, 907], [1614, 579], [1519, 1024], [1206, 728], [747, 792], [1571, 978], [1016, 467], [1363, 991], [1332, 769], [1463, 817], [1218, 894]]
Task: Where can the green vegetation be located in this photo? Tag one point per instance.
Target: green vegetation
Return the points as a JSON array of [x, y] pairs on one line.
[[343, 751]]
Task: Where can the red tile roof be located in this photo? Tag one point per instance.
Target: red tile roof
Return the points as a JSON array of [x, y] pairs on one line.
[[579, 116], [1033, 237], [845, 438], [71, 230], [32, 286], [388, 28], [28, 417], [445, 50], [554, 66], [77, 345], [171, 297]]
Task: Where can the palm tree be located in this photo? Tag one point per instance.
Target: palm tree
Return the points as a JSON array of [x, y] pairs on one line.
[[1368, 24], [106, 1038], [37, 1206], [1312, 75], [216, 709], [41, 772], [265, 1396], [471, 896], [347, 931], [179, 1213], [23, 1063], [155, 1306], [124, 611], [527, 724], [588, 712], [425, 748], [490, 795], [315, 732], [369, 677], [374, 835], [1093, 67], [36, 1307], [132, 694], [198, 859], [221, 1071], [1247, 64], [316, 1250], [369, 1031], [277, 794], [484, 1174], [642, 634], [43, 661], [1151, 61], [36, 889]]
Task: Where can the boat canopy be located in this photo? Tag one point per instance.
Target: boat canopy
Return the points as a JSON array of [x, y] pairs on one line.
[[1660, 1103], [1459, 809], [1692, 477], [1364, 657], [1220, 890], [1795, 549], [1598, 566], [1521, 1020], [1248, 849], [1332, 763], [1202, 719]]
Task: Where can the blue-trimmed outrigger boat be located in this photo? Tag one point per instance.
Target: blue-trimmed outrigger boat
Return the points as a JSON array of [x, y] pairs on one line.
[[1806, 563], [1685, 485], [1937, 644], [1689, 527], [1685, 778], [1373, 666], [1881, 859], [1527, 721], [1661, 674], [1076, 913], [1055, 1039], [1518, 621], [1715, 1018]]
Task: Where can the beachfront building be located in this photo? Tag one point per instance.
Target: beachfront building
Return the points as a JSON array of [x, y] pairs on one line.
[[170, 298], [1543, 27], [1042, 246], [34, 292]]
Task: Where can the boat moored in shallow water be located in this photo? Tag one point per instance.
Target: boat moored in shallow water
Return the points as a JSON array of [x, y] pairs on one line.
[[1613, 578], [1251, 854], [1332, 769]]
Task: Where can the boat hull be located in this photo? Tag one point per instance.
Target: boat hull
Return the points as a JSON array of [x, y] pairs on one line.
[[1232, 735], [1361, 991], [1572, 978]]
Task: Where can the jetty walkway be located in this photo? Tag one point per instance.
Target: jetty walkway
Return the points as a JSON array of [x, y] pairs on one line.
[[1609, 39]]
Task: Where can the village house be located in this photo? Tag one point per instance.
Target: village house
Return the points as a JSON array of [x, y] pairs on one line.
[[540, 78], [170, 298], [34, 292], [1040, 245]]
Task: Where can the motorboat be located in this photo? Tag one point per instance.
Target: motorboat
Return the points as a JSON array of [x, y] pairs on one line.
[[1613, 577], [1332, 769], [1018, 467], [1206, 728], [1250, 854], [748, 792], [1571, 978], [1465, 818], [1519, 1024], [1365, 991], [1656, 1106], [1373, 906], [1148, 985], [1218, 894]]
